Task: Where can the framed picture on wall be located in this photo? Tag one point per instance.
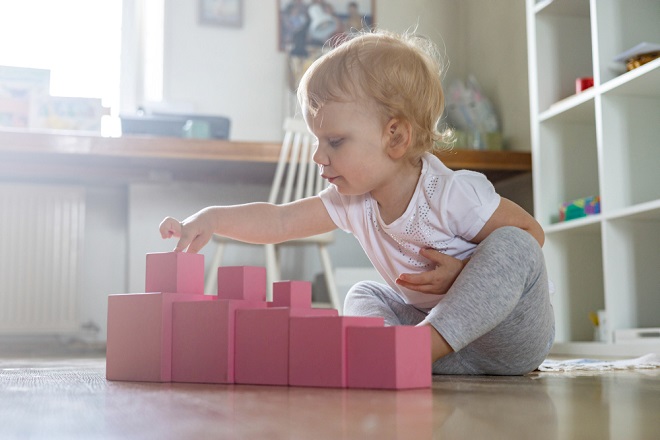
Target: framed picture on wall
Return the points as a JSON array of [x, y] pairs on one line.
[[221, 12], [309, 24]]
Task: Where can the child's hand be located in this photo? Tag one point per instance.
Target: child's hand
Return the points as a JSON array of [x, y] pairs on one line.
[[193, 233], [436, 281]]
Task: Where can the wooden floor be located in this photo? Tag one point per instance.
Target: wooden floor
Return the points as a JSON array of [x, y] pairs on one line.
[[70, 399]]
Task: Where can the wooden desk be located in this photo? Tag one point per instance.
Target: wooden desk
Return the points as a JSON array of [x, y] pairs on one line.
[[89, 158]]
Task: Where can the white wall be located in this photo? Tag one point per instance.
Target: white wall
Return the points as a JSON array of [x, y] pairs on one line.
[[105, 248], [235, 72], [439, 20], [484, 38], [241, 74], [495, 44]]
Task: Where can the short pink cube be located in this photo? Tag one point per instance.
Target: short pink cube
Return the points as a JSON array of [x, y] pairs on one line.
[[262, 344], [175, 272], [293, 294], [317, 349], [242, 282], [139, 344], [203, 340], [397, 357]]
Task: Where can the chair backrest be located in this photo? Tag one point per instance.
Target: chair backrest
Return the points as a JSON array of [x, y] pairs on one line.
[[296, 175]]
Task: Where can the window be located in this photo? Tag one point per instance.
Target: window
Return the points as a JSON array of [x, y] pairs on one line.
[[79, 41]]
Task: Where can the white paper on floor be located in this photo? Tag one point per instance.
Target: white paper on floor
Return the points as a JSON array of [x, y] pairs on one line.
[[651, 360]]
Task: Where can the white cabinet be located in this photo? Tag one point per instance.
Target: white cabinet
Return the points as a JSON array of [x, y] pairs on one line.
[[604, 141]]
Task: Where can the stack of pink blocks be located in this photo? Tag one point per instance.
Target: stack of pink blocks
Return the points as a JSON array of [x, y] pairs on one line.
[[175, 333]]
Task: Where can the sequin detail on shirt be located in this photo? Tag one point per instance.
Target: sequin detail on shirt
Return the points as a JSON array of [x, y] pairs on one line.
[[417, 232]]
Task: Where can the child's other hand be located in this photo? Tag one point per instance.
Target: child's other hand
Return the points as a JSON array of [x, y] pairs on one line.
[[193, 233], [436, 281]]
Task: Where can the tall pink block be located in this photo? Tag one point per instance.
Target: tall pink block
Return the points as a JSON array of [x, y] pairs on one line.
[[175, 272], [139, 345], [242, 282], [396, 357], [262, 343], [317, 349], [203, 340], [293, 294]]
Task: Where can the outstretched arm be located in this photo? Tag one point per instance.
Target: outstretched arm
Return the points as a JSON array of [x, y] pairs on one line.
[[252, 223]]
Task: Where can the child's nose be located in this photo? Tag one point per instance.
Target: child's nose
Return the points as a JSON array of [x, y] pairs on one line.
[[319, 156]]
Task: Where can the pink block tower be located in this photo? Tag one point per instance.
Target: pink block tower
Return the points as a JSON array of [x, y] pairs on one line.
[[139, 345], [203, 345], [174, 332]]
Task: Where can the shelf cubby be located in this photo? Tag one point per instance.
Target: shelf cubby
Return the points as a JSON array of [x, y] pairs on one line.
[[563, 44], [630, 133], [632, 278], [569, 164], [575, 267], [621, 26]]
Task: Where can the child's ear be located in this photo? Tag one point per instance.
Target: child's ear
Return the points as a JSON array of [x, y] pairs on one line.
[[399, 136]]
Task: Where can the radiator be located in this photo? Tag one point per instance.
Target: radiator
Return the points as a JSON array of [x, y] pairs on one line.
[[41, 238]]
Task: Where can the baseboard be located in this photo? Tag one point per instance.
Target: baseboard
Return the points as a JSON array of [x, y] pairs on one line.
[[602, 349], [33, 346]]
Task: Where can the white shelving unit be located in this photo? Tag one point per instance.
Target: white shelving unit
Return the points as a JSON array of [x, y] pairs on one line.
[[604, 141]]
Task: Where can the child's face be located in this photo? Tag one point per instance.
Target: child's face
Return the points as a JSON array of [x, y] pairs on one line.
[[351, 151]]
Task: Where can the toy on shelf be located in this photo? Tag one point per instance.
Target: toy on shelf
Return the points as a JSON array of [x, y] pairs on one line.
[[472, 116], [175, 333], [584, 83], [640, 54], [579, 208]]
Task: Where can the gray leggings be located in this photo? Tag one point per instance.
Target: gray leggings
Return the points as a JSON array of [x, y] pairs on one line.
[[497, 316]]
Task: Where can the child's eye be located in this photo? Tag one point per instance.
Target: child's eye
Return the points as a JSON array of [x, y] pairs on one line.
[[335, 142]]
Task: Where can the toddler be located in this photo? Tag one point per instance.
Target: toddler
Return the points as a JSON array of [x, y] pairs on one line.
[[456, 256]]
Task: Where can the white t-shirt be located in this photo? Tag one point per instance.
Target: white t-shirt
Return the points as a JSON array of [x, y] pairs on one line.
[[446, 211]]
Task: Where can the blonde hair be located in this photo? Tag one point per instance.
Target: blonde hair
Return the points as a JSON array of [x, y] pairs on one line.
[[400, 74]]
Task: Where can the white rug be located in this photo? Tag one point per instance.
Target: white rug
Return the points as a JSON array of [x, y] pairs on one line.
[[651, 360]]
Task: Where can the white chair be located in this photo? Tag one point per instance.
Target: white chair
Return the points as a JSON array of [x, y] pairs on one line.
[[296, 177]]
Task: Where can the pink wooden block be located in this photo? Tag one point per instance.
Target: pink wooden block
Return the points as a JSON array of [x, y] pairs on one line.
[[294, 294], [175, 272], [317, 349], [139, 345], [203, 340], [396, 357], [262, 344], [242, 282]]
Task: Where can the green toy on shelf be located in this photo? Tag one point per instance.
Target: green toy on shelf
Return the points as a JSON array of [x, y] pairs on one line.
[[579, 208]]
